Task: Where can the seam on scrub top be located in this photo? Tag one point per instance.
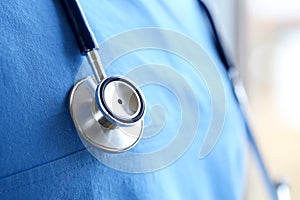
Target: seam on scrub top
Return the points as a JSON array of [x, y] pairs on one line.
[[41, 165], [48, 177]]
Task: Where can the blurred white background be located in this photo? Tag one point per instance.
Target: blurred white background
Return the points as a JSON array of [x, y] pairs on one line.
[[263, 37], [269, 61]]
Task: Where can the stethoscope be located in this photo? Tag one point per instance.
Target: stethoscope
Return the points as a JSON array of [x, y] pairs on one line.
[[108, 111]]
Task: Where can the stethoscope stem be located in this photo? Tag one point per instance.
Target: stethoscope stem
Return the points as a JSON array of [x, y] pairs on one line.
[[96, 64], [85, 38]]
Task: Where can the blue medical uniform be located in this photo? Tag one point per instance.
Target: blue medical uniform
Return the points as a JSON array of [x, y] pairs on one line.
[[41, 156]]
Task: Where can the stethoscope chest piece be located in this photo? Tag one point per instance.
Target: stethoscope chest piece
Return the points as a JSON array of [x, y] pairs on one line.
[[109, 115], [108, 111]]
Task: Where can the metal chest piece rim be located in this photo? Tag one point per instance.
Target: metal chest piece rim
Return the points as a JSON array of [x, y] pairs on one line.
[[95, 125]]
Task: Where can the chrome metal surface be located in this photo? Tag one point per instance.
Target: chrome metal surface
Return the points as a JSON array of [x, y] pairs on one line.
[[120, 101], [95, 62], [283, 191], [93, 127]]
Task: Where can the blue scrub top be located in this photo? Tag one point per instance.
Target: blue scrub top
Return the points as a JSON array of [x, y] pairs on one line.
[[41, 155]]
